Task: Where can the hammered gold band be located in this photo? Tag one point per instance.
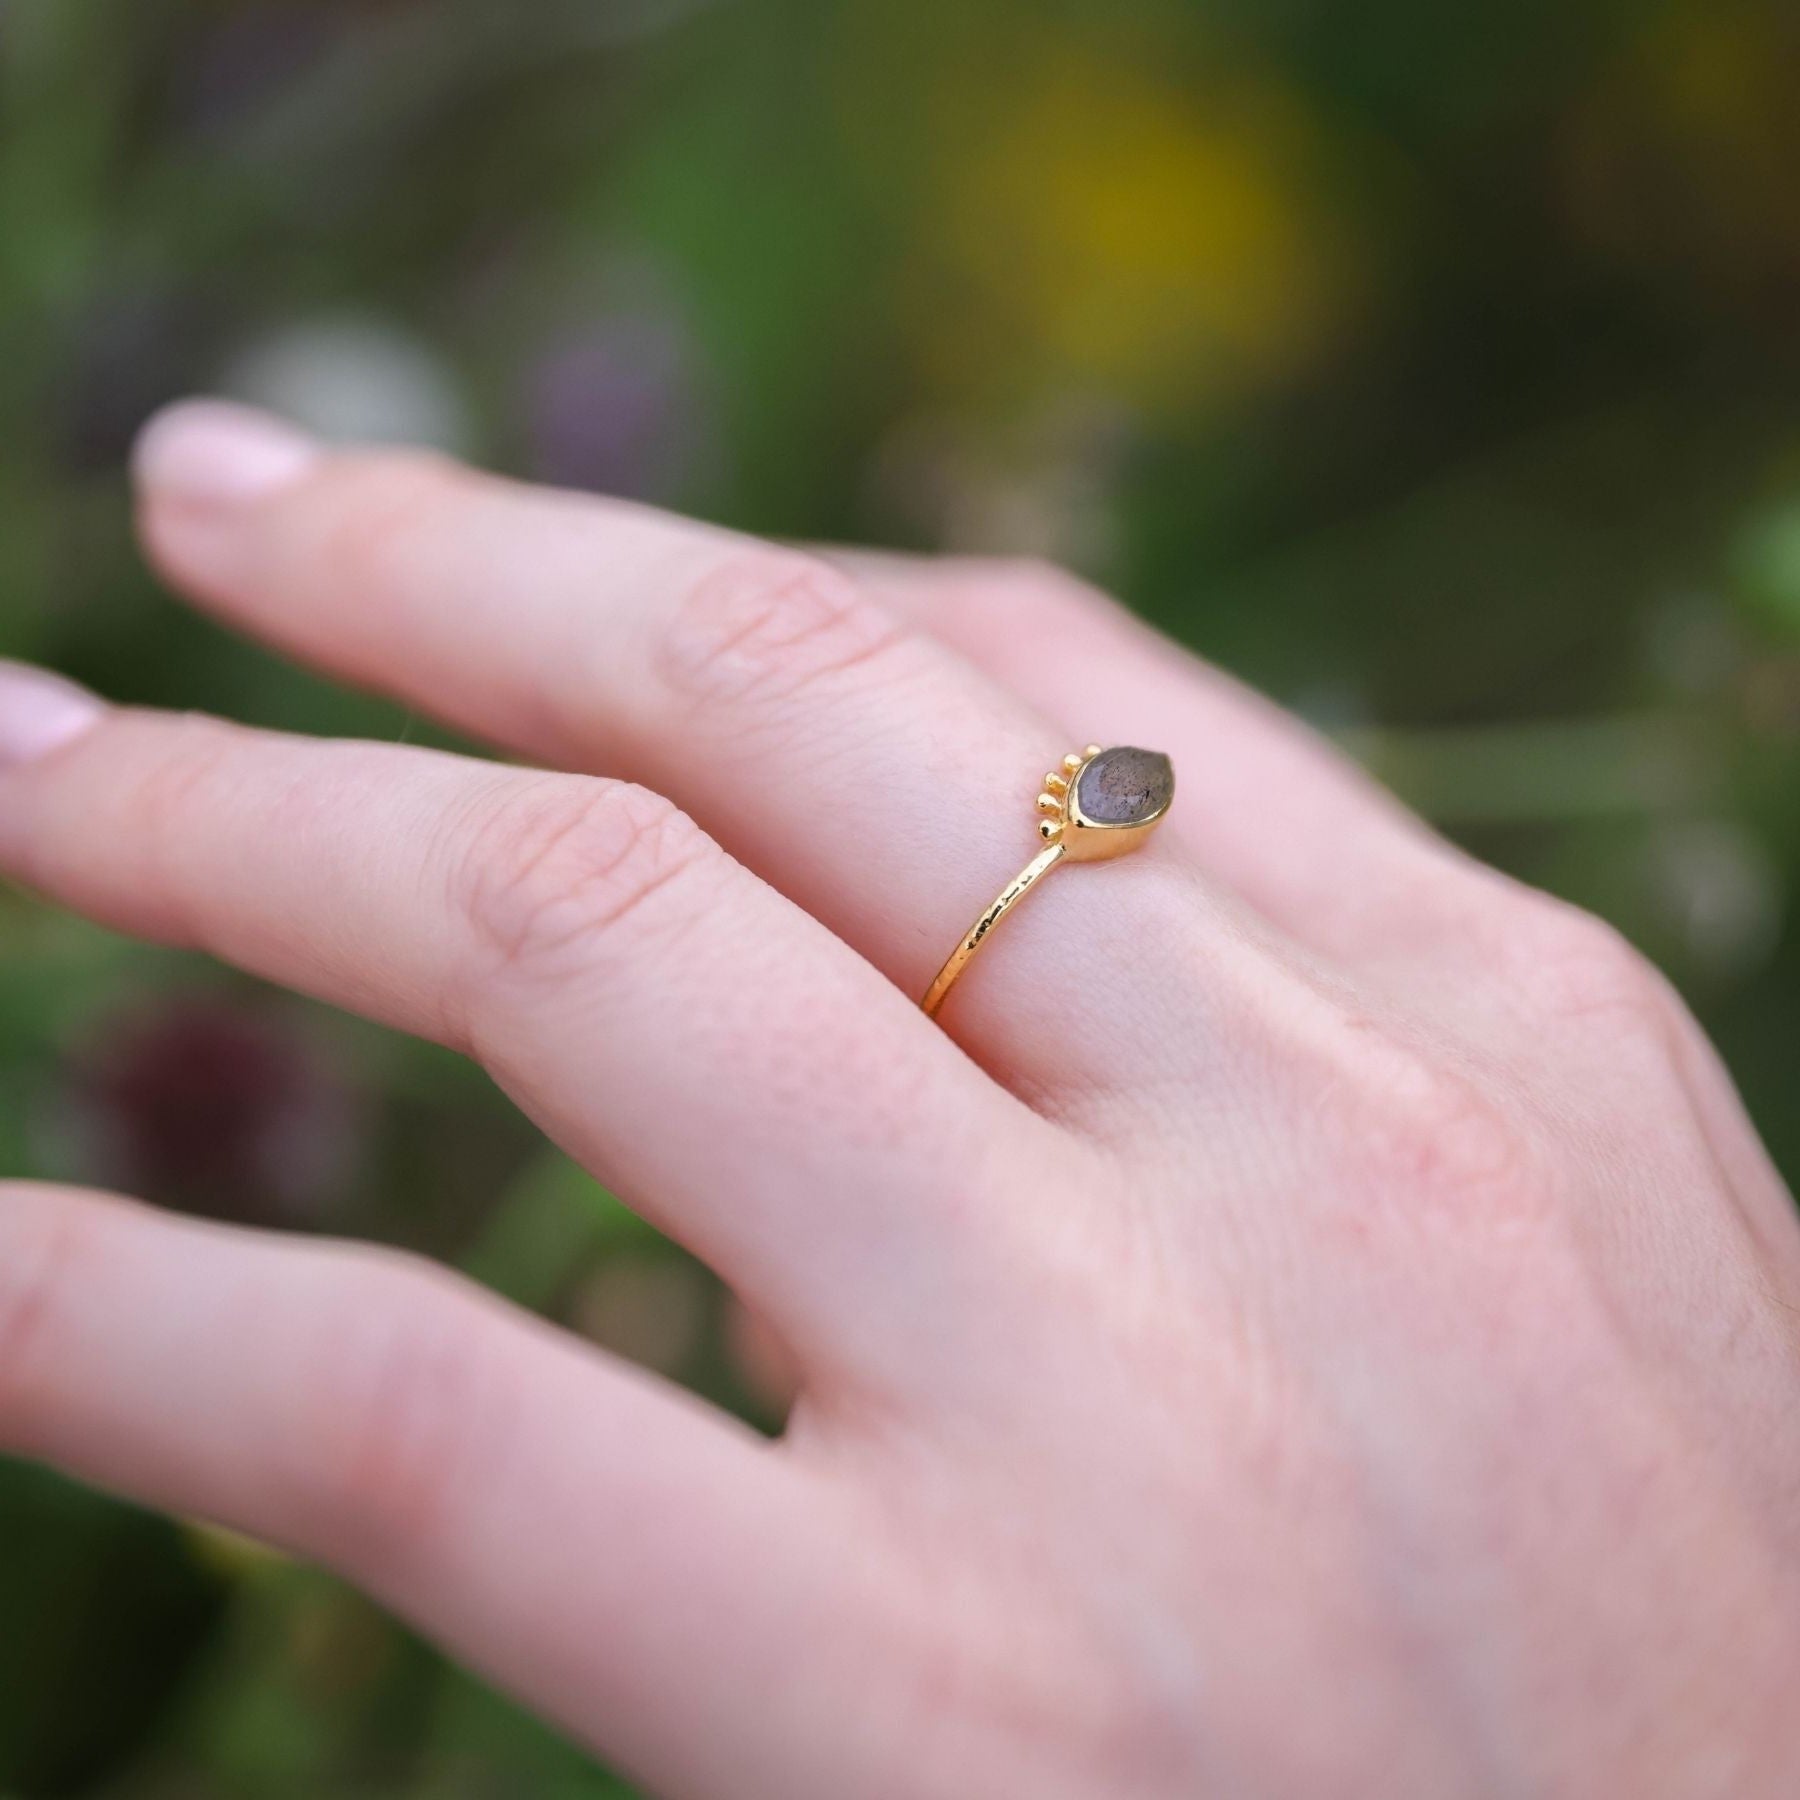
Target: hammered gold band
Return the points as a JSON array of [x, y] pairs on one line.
[[1101, 803], [1014, 891]]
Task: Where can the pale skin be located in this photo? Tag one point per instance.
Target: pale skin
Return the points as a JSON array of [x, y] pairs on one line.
[[1309, 1319]]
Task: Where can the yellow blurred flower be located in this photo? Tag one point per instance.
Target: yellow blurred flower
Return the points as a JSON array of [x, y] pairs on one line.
[[1157, 244], [1087, 216]]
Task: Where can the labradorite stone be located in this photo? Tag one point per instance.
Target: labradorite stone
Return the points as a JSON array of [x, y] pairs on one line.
[[1122, 786]]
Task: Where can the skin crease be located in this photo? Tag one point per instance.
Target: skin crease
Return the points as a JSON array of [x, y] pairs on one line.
[[1314, 1321]]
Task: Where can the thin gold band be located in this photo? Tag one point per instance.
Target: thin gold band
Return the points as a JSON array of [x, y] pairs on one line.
[[1100, 803], [1009, 897]]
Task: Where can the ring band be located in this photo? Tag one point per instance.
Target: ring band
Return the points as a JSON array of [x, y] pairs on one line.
[[1101, 803]]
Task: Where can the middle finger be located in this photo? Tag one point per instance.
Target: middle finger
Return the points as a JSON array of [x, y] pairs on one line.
[[716, 1056]]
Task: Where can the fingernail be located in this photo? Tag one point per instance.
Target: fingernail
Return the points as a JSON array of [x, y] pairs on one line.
[[217, 453], [39, 712]]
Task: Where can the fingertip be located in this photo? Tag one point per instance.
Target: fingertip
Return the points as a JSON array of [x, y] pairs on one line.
[[217, 454], [40, 712]]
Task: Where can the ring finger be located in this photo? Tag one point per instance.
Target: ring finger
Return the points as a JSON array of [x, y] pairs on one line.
[[881, 781]]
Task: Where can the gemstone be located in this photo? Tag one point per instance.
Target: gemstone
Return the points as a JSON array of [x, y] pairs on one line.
[[1125, 786]]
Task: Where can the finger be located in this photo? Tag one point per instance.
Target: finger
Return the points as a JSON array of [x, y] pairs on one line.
[[877, 779], [729, 1067], [608, 1549], [1305, 835]]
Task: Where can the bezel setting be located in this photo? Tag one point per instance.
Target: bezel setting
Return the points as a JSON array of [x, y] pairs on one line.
[[1070, 826]]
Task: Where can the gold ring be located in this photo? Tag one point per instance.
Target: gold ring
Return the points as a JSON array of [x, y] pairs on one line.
[[1100, 803]]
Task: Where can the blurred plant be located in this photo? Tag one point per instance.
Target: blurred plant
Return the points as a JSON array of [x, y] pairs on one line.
[[651, 1310], [1766, 562], [103, 1613]]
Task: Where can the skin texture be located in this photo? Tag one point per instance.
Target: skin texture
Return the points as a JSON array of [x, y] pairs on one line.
[[1310, 1319]]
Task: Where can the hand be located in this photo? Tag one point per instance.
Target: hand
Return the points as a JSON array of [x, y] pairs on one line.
[[1311, 1320]]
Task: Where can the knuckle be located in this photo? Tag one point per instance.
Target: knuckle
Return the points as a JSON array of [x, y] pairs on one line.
[[1421, 1133], [564, 864], [767, 624], [407, 1404], [1570, 968]]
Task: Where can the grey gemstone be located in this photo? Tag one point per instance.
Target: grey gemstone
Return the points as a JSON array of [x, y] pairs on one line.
[[1122, 786]]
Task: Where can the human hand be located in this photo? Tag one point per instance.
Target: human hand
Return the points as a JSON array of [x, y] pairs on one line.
[[1309, 1320]]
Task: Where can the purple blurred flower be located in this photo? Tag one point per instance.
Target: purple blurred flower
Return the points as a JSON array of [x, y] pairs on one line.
[[616, 409], [216, 1108]]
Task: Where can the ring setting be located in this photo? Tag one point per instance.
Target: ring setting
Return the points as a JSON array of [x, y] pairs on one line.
[[1101, 803]]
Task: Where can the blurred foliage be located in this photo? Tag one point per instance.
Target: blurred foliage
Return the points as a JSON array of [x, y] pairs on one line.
[[1433, 366]]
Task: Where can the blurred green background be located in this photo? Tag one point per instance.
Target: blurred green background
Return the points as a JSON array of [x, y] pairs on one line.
[[1433, 366]]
